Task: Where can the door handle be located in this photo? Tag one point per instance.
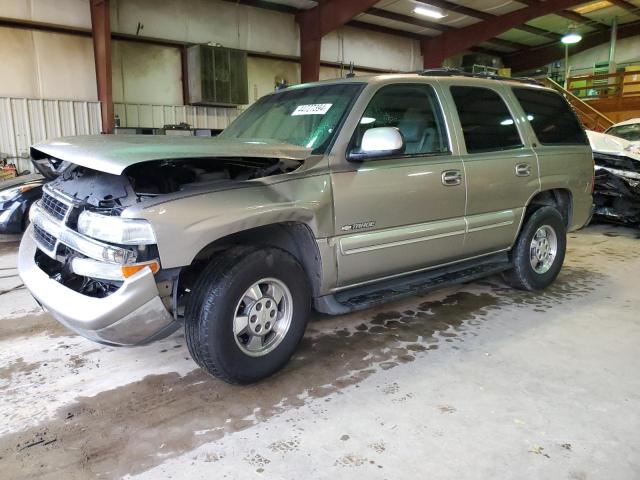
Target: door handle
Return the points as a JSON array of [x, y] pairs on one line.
[[451, 178], [523, 170]]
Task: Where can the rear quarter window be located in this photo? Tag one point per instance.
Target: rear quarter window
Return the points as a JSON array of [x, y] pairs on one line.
[[486, 122], [551, 117]]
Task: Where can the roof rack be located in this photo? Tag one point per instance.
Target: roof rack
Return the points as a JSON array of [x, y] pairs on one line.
[[455, 72]]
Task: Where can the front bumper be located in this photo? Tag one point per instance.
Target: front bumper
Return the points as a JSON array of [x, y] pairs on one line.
[[133, 315]]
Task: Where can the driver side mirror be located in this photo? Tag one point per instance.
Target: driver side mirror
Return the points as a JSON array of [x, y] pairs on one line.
[[378, 142]]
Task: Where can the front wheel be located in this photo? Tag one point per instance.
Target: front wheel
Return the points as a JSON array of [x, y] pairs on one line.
[[247, 313], [539, 251]]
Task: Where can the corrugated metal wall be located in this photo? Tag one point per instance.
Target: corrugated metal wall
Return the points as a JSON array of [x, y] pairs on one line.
[[156, 116], [25, 121]]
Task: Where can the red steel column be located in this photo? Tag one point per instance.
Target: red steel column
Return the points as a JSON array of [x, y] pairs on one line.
[[432, 52], [101, 32], [310, 43], [316, 22]]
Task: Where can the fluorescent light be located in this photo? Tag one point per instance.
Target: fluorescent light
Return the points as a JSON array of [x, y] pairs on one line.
[[592, 7], [508, 121], [430, 12]]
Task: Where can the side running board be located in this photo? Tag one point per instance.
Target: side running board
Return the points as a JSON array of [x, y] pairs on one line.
[[367, 296]]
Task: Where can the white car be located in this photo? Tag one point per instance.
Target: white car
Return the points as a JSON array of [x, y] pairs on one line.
[[609, 144], [616, 192], [628, 130]]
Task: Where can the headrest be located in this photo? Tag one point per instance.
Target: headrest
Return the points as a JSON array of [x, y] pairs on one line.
[[413, 125]]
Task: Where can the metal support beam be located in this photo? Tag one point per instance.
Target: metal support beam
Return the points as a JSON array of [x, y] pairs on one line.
[[479, 14], [507, 43], [310, 45], [577, 18], [398, 17], [316, 22], [380, 29], [184, 65], [627, 6], [570, 15], [544, 54], [437, 49], [101, 33], [539, 31], [454, 7]]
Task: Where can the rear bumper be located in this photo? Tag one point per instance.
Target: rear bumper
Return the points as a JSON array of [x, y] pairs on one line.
[[133, 315]]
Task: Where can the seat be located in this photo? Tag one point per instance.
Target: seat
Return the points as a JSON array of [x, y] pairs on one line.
[[417, 133]]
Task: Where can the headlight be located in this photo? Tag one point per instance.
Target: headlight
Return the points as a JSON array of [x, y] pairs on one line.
[[123, 231], [11, 193], [633, 149]]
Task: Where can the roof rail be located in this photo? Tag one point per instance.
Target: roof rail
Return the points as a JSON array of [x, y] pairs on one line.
[[455, 72]]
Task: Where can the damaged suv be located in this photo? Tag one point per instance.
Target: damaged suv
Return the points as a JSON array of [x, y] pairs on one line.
[[336, 195], [616, 154]]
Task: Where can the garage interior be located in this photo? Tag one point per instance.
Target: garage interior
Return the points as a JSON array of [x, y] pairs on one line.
[[476, 380]]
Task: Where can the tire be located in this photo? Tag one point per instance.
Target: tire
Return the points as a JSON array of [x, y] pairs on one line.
[[545, 221], [218, 306]]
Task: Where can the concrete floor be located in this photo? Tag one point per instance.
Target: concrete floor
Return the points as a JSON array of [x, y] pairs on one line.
[[478, 381]]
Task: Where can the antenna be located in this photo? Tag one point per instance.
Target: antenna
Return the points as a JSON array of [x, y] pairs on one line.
[[351, 73]]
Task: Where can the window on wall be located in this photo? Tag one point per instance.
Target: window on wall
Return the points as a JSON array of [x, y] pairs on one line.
[[414, 110], [486, 122], [551, 117]]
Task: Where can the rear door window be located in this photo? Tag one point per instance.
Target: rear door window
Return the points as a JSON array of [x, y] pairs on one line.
[[486, 122], [551, 117]]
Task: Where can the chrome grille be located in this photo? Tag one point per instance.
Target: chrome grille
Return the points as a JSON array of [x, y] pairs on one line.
[[43, 238], [54, 207]]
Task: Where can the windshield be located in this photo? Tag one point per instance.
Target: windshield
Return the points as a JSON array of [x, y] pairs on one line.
[[309, 117], [629, 132]]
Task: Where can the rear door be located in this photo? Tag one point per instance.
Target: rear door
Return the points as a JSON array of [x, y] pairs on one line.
[[562, 147], [403, 212], [501, 169]]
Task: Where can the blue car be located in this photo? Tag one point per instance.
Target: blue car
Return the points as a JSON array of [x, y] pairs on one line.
[[16, 197]]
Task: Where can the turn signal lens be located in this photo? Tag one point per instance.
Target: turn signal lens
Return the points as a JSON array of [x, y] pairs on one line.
[[129, 270]]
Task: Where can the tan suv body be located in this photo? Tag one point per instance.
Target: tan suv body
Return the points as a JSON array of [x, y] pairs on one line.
[[383, 186]]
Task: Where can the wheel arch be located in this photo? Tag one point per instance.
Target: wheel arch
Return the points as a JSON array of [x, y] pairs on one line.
[[296, 238], [559, 198]]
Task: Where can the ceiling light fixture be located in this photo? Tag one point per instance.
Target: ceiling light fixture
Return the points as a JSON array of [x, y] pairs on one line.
[[592, 7], [429, 11], [572, 36]]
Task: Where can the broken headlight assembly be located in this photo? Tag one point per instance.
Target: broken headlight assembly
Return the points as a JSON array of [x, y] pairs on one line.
[[118, 230]]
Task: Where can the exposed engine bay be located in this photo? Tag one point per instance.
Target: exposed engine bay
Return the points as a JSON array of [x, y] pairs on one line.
[[104, 191], [77, 189], [617, 188]]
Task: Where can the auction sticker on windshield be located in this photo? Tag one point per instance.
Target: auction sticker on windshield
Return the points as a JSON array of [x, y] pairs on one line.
[[312, 109]]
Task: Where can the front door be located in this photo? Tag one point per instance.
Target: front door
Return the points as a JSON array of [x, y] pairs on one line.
[[403, 212]]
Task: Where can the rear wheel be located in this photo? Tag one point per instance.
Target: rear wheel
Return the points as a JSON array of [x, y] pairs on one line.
[[539, 251], [247, 313]]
